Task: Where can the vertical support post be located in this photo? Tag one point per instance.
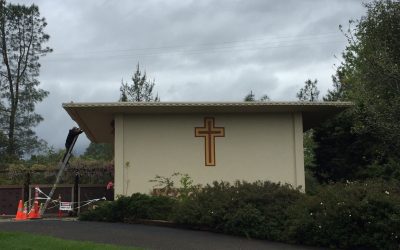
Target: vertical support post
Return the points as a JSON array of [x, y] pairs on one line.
[[59, 207], [76, 193], [119, 164], [79, 198], [27, 183], [298, 151], [29, 196]]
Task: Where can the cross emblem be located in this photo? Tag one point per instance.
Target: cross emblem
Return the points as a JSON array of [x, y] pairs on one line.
[[209, 132]]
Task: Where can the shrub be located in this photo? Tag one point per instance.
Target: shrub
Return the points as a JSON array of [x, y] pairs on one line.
[[247, 220], [143, 206], [137, 206], [100, 212], [357, 215], [222, 206], [165, 186], [348, 215]]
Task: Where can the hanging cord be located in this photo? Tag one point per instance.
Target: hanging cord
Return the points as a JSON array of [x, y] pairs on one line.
[[85, 203]]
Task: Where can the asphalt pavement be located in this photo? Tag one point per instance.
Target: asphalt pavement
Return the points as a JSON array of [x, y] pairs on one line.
[[144, 236]]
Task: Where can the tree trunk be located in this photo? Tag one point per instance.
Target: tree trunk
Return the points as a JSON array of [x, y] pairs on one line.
[[11, 144]]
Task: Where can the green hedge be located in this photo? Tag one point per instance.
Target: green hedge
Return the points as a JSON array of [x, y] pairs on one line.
[[137, 206], [253, 209], [348, 215], [344, 215]]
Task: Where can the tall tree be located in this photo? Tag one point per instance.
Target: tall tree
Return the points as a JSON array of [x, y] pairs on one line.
[[309, 92], [141, 89], [364, 141], [250, 97], [99, 151], [21, 45], [338, 92], [371, 71]]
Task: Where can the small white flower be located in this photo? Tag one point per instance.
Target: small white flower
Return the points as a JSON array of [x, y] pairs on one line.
[[349, 215], [320, 226], [311, 213], [322, 203], [387, 192]]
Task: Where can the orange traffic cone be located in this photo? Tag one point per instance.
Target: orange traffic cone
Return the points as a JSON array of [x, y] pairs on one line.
[[34, 213], [20, 212], [31, 214]]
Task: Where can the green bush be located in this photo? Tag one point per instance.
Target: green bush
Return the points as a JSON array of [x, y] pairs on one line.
[[247, 220], [137, 206], [357, 215], [348, 215], [143, 206], [224, 207], [101, 212]]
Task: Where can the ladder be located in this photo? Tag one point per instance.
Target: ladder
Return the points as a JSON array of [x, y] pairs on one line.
[[62, 165]]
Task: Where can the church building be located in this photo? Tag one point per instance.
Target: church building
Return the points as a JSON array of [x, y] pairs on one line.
[[209, 141]]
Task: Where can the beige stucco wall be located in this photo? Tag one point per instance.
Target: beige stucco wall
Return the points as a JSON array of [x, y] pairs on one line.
[[255, 147]]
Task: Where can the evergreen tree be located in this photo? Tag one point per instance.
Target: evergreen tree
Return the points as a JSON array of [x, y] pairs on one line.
[[309, 92], [264, 98], [21, 45], [250, 97], [141, 90]]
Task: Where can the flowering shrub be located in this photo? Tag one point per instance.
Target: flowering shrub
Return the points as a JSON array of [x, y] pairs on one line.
[[361, 215], [137, 206], [252, 209], [348, 215], [246, 220]]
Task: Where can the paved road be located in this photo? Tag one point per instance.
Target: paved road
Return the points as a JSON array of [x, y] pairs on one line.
[[148, 237]]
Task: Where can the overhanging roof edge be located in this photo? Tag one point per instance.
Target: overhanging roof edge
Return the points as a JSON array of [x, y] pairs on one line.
[[75, 116], [204, 104]]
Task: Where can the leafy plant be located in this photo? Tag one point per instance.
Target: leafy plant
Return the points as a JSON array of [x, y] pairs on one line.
[[166, 185], [131, 208], [348, 215], [218, 206], [352, 215]]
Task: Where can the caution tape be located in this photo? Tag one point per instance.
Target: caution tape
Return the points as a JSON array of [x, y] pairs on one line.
[[85, 203], [88, 202]]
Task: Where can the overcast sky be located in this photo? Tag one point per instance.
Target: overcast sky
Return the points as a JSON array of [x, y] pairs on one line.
[[195, 50]]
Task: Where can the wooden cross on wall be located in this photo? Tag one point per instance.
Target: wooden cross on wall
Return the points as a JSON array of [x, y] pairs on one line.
[[209, 132]]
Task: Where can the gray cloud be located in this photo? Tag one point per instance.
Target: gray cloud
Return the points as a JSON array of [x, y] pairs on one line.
[[195, 50]]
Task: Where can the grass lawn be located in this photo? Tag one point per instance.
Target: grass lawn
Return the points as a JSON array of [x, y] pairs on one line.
[[17, 240]]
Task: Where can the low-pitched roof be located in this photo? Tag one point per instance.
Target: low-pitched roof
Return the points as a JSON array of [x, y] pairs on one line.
[[95, 118]]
